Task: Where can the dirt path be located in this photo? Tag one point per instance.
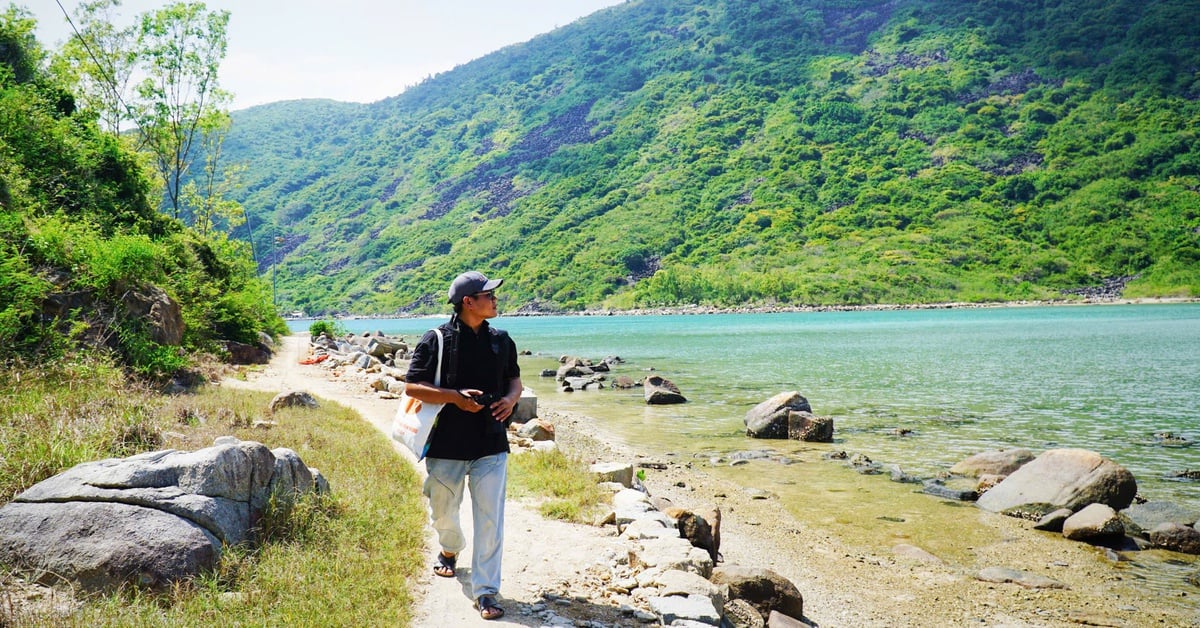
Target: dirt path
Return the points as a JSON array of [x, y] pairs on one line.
[[531, 564]]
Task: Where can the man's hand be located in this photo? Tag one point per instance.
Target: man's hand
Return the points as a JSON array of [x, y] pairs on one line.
[[503, 408], [466, 400]]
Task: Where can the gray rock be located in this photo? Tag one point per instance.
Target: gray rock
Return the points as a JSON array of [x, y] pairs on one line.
[[1176, 537], [162, 315], [661, 391], [573, 370], [291, 477], [292, 399], [673, 582], [536, 429], [1096, 522], [769, 419], [1053, 521], [618, 472], [101, 545], [939, 488], [1141, 518], [151, 518], [1016, 576], [240, 353], [1068, 478], [804, 426], [671, 553], [997, 462], [764, 589], [648, 528], [916, 553], [527, 407], [380, 346], [675, 610]]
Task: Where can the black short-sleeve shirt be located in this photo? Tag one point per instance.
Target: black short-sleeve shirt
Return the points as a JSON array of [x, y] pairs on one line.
[[486, 361]]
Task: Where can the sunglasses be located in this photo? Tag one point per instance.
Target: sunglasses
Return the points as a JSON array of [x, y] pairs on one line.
[[483, 295]]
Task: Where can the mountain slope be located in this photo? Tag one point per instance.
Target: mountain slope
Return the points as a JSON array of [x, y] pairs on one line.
[[732, 151]]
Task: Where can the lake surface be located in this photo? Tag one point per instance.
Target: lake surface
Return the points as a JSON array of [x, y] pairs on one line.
[[959, 381]]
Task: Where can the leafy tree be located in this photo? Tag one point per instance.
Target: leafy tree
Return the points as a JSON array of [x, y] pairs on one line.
[[180, 47]]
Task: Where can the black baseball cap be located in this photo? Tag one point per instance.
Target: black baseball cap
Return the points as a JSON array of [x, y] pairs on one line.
[[469, 283]]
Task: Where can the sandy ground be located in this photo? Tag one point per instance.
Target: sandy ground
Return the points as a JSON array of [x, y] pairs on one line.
[[842, 584]]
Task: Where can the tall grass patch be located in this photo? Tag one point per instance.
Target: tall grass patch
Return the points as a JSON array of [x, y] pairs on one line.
[[349, 558], [567, 488]]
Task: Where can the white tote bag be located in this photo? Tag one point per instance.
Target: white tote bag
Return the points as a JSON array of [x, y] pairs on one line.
[[415, 418]]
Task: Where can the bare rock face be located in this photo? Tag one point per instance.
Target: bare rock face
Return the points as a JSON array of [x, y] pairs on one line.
[[769, 419], [150, 519], [162, 314], [1067, 478]]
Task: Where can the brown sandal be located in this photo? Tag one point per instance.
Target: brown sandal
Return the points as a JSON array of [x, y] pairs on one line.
[[488, 608], [444, 566]]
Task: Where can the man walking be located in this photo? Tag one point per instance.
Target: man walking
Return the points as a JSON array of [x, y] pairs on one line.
[[481, 385]]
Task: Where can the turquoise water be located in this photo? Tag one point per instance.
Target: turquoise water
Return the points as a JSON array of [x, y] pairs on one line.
[[1105, 378]]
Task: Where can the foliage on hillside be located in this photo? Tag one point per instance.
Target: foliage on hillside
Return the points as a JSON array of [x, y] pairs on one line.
[[78, 230], [755, 151]]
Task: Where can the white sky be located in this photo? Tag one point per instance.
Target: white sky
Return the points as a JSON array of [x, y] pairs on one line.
[[347, 50]]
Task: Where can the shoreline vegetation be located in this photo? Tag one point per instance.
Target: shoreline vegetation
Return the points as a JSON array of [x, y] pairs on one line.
[[524, 312]]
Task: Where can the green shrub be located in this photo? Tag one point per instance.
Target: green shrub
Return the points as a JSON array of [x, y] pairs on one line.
[[332, 329]]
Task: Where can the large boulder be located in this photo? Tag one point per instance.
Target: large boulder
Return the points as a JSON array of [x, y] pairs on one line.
[[769, 419], [103, 544], [1066, 478], [659, 391], [241, 353], [1000, 462], [1094, 523], [149, 519], [380, 346]]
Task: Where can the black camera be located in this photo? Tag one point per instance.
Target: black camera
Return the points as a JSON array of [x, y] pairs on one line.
[[487, 399]]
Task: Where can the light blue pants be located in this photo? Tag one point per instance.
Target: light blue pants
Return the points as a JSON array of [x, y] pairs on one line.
[[486, 478]]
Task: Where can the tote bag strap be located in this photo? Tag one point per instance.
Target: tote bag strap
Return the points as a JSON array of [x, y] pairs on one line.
[[437, 376]]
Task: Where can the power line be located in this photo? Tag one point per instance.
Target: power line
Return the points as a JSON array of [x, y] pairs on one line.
[[104, 74]]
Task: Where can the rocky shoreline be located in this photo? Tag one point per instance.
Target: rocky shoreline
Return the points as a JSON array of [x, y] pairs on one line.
[[1083, 298], [989, 568]]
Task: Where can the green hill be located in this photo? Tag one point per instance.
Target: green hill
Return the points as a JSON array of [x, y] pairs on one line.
[[727, 152]]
